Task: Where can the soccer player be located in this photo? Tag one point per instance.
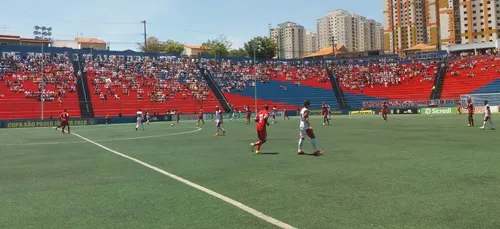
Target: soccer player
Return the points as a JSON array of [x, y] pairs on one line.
[[306, 130], [285, 114], [200, 117], [147, 116], [64, 117], [262, 123], [248, 114], [233, 116], [140, 117], [275, 112], [470, 113], [324, 110], [384, 111], [459, 108], [487, 116], [329, 111], [178, 116], [218, 123]]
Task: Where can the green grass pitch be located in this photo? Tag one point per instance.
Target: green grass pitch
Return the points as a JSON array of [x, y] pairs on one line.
[[411, 172]]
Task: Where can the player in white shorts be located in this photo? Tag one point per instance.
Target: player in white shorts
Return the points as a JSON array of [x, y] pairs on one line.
[[329, 111], [140, 117], [218, 122], [487, 116], [306, 130], [275, 112]]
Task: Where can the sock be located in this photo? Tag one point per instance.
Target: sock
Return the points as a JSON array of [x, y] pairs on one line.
[[484, 124], [313, 141], [258, 147], [301, 141], [137, 126]]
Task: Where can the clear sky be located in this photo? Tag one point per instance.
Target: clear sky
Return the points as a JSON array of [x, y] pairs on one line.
[[186, 21]]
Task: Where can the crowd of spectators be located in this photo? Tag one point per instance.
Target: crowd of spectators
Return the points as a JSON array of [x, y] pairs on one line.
[[23, 75], [156, 80]]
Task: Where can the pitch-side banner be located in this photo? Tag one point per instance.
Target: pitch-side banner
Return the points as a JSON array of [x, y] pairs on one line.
[[46, 123], [438, 110], [363, 112]]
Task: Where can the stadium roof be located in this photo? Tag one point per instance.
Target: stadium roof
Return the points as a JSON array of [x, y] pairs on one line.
[[422, 47], [327, 51], [89, 40], [196, 47]]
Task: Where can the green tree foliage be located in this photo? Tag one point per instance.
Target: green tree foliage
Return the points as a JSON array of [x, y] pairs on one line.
[[267, 48], [241, 52], [169, 46], [219, 46]]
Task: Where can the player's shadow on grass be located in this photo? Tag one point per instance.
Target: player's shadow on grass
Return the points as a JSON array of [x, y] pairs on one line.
[[269, 154]]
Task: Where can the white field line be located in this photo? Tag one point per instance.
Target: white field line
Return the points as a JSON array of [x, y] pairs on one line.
[[107, 140], [226, 199]]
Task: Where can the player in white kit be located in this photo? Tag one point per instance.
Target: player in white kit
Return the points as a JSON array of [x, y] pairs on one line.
[[487, 116], [306, 130], [275, 112], [218, 122], [140, 117]]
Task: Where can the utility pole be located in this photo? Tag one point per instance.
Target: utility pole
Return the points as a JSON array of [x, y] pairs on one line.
[[145, 33], [332, 40], [438, 38]]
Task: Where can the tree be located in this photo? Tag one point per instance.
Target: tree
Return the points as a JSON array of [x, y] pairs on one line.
[[152, 45], [220, 46], [267, 48], [241, 52], [173, 47], [169, 46]]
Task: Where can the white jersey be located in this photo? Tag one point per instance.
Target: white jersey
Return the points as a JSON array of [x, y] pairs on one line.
[[218, 116], [487, 111], [304, 113], [139, 115], [275, 111]]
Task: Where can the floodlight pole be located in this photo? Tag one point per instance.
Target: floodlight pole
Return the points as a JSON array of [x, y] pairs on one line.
[[255, 46], [44, 32]]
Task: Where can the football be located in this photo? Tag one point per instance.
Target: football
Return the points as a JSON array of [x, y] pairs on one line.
[[172, 125]]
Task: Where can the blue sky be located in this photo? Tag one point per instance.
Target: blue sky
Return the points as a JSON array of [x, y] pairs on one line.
[[186, 21]]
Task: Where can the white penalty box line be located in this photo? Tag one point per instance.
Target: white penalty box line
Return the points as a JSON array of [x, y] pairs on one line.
[[226, 199]]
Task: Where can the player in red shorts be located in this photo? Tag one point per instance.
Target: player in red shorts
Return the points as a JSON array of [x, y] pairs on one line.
[[178, 116], [324, 111], [459, 108], [384, 111], [307, 130], [262, 123], [64, 117], [248, 114], [470, 113], [200, 117]]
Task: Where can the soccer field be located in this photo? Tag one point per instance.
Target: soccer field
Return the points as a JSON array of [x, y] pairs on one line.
[[411, 172]]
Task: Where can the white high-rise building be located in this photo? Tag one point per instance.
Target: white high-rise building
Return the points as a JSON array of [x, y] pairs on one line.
[[356, 33], [310, 42], [290, 39]]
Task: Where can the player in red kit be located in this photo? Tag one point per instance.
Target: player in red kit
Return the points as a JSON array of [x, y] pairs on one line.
[[248, 114], [384, 111], [459, 108], [470, 113], [64, 117], [324, 111], [285, 114], [262, 123], [178, 116], [200, 117]]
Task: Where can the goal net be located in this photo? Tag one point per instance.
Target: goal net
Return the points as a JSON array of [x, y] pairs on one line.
[[478, 99]]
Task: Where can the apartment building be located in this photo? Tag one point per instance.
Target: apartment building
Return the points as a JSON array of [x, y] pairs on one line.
[[354, 32], [290, 39], [310, 42], [479, 20]]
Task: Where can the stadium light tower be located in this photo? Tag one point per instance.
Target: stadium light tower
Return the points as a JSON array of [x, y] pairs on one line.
[[42, 33], [256, 46]]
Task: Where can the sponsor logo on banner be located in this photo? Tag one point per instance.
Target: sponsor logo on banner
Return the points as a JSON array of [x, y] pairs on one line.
[[364, 112], [209, 116], [320, 112], [405, 111], [480, 109], [48, 123], [438, 110]]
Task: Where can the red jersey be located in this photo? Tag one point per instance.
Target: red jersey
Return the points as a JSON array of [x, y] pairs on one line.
[[261, 119], [384, 107], [249, 112], [324, 109], [200, 115], [470, 108], [64, 116]]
